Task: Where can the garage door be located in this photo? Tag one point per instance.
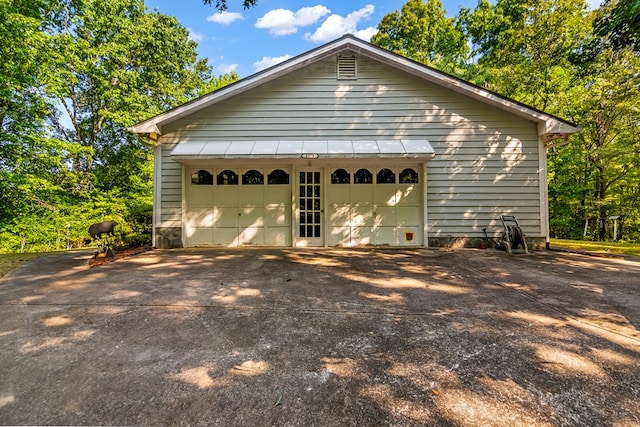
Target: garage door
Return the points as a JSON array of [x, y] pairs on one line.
[[235, 207], [375, 206]]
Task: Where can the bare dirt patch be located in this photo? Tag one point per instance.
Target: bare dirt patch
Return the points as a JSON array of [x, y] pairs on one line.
[[101, 258]]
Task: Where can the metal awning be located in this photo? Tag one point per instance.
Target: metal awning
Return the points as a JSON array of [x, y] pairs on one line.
[[311, 149]]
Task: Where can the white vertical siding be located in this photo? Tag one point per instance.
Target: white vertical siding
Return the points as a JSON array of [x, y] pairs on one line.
[[487, 161]]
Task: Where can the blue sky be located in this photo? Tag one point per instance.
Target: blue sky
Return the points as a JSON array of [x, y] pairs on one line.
[[247, 41]]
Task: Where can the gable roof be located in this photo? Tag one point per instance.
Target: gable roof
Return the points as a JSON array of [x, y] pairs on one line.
[[549, 127]]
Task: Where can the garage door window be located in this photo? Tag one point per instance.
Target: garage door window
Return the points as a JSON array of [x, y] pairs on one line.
[[363, 176], [227, 177], [253, 177], [278, 176], [408, 176], [340, 176], [202, 177], [386, 176]]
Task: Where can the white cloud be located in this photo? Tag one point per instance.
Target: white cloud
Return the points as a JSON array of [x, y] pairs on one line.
[[225, 18], [195, 36], [336, 26], [594, 4], [269, 61], [226, 68], [310, 15], [281, 22], [366, 34]]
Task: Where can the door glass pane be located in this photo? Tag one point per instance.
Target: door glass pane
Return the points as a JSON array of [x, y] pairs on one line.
[[227, 177], [252, 177], [363, 176], [302, 176], [278, 176], [202, 177], [340, 176], [408, 176], [386, 176]]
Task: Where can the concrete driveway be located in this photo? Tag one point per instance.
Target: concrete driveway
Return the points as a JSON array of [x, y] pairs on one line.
[[326, 337]]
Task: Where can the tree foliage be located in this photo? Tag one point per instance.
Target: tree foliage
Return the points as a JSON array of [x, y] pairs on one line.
[[421, 31], [619, 24], [525, 46], [221, 5], [114, 62], [73, 75]]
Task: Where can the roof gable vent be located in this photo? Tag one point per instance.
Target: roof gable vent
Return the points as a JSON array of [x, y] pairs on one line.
[[347, 67]]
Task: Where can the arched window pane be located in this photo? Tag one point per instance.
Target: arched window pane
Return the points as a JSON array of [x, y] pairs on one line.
[[202, 177], [363, 176], [252, 177], [340, 176], [278, 176], [408, 176], [386, 176], [227, 177]]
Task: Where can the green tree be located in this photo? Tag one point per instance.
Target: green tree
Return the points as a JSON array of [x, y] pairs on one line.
[[74, 75], [217, 82], [522, 48], [596, 175], [222, 4], [619, 23], [422, 31], [116, 63], [32, 164]]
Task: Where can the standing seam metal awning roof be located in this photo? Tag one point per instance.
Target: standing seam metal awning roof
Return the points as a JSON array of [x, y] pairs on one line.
[[332, 149]]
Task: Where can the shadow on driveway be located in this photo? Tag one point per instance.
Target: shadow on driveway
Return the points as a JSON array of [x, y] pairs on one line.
[[321, 337]]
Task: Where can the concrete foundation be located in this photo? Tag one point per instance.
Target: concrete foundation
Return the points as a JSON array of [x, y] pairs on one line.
[[475, 242], [168, 238]]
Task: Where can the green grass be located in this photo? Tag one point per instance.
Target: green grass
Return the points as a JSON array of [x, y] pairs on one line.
[[10, 261], [604, 247]]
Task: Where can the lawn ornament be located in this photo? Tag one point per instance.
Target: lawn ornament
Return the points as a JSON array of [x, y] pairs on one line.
[[99, 229]]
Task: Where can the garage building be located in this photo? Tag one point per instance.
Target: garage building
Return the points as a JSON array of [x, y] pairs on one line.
[[348, 145]]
